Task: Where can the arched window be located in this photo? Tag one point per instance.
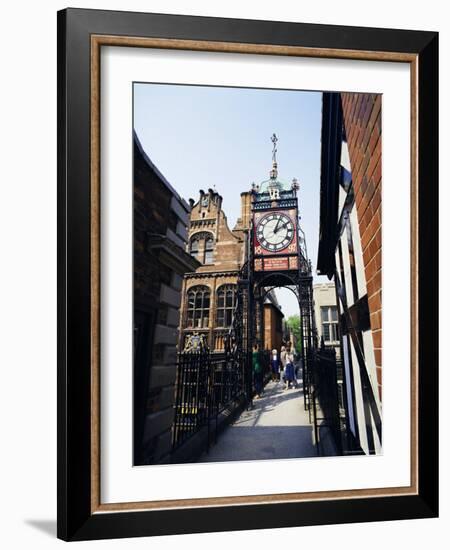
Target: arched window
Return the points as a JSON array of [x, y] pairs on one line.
[[201, 247], [194, 247], [209, 250], [226, 301], [198, 300]]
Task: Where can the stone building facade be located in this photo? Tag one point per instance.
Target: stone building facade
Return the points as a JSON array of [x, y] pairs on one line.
[[209, 292], [160, 223], [326, 314]]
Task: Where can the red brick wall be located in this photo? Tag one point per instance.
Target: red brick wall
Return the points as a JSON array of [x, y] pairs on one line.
[[273, 335], [362, 120]]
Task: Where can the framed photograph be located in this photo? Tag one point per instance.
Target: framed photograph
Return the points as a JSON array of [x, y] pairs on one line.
[[247, 252]]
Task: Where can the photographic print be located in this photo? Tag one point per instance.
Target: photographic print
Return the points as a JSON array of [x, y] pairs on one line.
[[223, 280], [257, 315]]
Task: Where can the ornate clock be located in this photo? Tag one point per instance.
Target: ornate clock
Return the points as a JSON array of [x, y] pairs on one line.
[[275, 231], [275, 222]]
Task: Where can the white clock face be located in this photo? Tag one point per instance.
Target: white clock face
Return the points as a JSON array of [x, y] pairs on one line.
[[275, 231]]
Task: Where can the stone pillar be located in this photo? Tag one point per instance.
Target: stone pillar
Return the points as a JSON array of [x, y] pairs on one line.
[[246, 205]]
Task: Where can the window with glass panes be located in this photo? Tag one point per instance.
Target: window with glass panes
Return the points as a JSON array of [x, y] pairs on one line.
[[201, 247], [194, 247], [226, 301], [198, 302], [329, 318], [209, 250]]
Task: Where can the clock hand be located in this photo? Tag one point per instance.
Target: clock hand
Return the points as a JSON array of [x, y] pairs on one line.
[[284, 226], [276, 226]]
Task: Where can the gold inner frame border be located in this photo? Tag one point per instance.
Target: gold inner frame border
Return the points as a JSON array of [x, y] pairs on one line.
[[97, 41]]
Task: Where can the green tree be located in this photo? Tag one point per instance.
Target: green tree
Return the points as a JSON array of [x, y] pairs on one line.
[[293, 322]]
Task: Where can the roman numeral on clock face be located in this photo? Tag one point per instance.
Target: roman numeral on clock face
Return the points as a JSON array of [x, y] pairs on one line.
[[275, 231]]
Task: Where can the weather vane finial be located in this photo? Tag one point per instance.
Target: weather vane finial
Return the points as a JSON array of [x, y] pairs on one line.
[[274, 171], [274, 140]]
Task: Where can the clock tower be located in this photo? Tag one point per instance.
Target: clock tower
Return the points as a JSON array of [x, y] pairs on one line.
[[275, 241]]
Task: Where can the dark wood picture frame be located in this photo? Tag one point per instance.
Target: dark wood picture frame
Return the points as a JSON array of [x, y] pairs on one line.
[[81, 33]]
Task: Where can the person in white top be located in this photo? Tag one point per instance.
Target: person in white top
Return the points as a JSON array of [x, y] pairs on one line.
[[290, 369], [275, 364], [283, 357]]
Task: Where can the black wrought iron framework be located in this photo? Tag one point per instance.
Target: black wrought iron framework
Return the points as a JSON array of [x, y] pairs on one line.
[[193, 395], [207, 385], [326, 404]]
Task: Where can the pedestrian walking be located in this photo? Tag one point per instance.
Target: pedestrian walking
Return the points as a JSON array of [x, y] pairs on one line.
[[283, 363], [257, 371], [290, 369], [275, 364]]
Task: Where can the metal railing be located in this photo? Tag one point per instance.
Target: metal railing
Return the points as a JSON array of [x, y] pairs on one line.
[[207, 384], [266, 365], [307, 375], [192, 396], [326, 406]]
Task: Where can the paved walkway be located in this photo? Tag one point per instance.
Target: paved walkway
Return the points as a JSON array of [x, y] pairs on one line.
[[277, 427]]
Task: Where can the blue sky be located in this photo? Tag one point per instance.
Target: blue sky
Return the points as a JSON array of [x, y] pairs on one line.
[[201, 137]]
